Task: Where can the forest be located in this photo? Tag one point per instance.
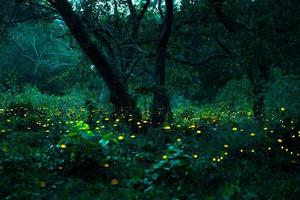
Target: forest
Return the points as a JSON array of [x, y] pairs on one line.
[[149, 100]]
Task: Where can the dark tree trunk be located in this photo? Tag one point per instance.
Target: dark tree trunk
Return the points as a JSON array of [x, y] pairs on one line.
[[258, 76], [119, 95], [161, 102]]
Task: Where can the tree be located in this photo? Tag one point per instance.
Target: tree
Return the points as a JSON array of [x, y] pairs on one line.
[[161, 102], [119, 94]]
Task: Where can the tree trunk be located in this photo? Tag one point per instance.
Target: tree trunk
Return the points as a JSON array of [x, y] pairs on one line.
[[161, 102], [258, 76], [119, 95]]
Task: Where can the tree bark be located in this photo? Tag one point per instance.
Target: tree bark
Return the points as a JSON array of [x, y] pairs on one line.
[[119, 95], [161, 102]]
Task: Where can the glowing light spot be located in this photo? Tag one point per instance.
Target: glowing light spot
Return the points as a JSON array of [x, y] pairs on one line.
[[192, 126], [279, 140], [198, 131], [234, 129], [252, 150], [164, 157], [214, 159], [114, 181], [225, 153], [106, 119], [282, 109], [63, 146], [178, 140], [167, 127], [226, 145], [241, 150], [252, 134], [121, 137], [42, 184], [133, 136], [195, 156], [106, 165]]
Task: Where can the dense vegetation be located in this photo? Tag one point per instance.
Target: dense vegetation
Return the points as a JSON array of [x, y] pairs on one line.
[[149, 99]]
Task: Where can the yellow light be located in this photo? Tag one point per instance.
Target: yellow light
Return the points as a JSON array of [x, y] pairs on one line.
[[226, 145], [195, 156], [252, 150], [226, 153], [241, 150], [252, 134], [164, 157], [63, 146], [114, 181], [198, 131], [106, 165], [132, 136], [282, 109], [214, 159], [192, 126], [42, 184], [234, 129], [265, 128], [106, 119], [167, 127], [121, 137], [280, 140]]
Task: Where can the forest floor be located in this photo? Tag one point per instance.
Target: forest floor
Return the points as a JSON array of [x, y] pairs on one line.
[[46, 155]]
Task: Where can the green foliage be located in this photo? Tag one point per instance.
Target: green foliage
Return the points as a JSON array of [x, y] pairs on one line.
[[281, 96], [59, 136]]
